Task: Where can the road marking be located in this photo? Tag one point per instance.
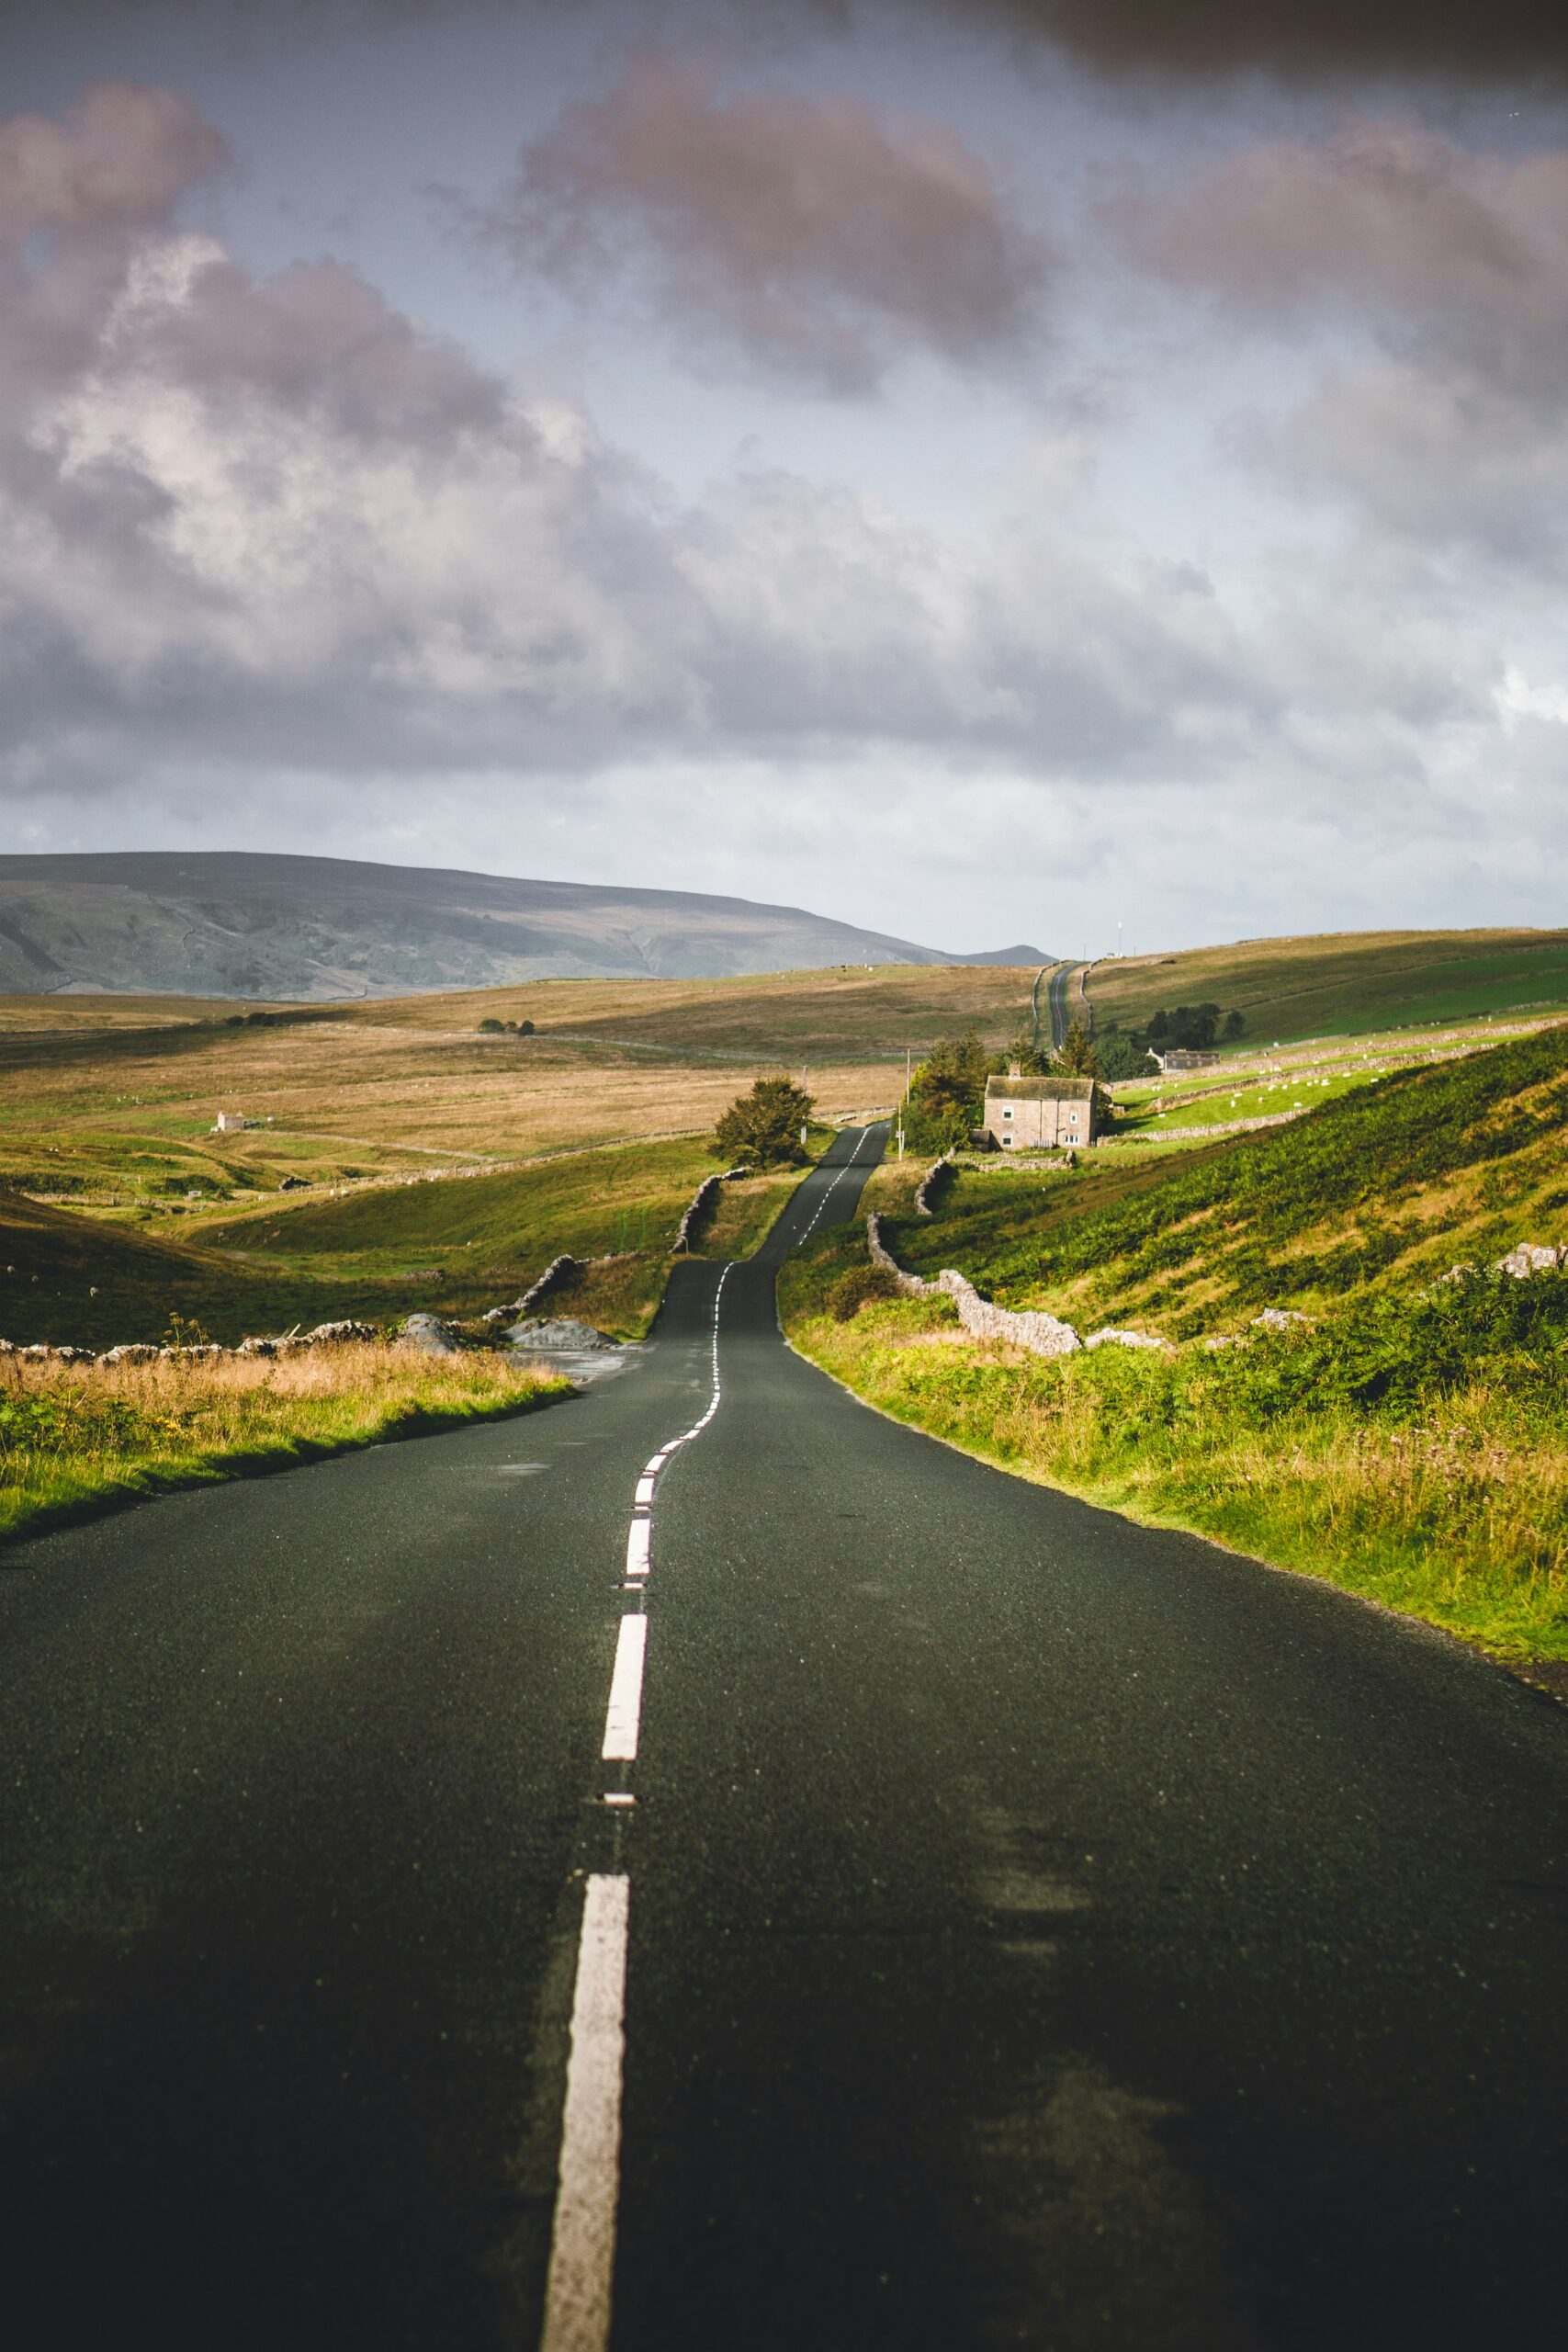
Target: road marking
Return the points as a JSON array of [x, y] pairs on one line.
[[833, 1187], [582, 2245], [623, 1716]]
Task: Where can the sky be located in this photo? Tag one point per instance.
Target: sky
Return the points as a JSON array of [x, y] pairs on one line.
[[1088, 473]]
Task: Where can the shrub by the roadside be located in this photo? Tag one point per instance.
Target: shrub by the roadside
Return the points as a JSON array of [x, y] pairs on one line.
[[769, 1126], [859, 1287]]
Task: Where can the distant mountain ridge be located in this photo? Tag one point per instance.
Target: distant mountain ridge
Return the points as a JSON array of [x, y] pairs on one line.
[[244, 923]]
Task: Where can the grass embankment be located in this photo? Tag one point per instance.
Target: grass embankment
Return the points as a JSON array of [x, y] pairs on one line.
[[78, 1439], [458, 1245], [1387, 1186], [1407, 1442], [1343, 983]]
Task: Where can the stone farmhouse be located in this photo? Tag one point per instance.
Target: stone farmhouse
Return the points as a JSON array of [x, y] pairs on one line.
[[1186, 1058], [1041, 1113]]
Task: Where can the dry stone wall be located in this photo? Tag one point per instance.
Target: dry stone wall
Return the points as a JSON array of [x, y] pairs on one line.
[[698, 1207], [558, 1271], [325, 1335], [933, 1183], [702, 1200], [1041, 1334]]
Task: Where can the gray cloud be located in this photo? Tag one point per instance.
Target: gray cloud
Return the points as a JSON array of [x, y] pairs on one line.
[[123, 155], [253, 527], [819, 240], [1452, 265], [1379, 215], [275, 521]]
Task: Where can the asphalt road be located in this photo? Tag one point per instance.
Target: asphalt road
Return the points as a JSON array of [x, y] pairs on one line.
[[1042, 1931], [1057, 998]]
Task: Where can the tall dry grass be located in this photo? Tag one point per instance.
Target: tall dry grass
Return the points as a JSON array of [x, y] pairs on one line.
[[75, 1437]]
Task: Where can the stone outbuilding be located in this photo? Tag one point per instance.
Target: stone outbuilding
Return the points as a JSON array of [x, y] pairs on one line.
[[1182, 1057], [229, 1123], [1042, 1113]]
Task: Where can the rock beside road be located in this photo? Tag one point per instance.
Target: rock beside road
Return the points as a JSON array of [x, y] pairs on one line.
[[433, 1333], [562, 1331]]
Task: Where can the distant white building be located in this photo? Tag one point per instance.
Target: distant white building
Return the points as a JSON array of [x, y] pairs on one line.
[[229, 1123]]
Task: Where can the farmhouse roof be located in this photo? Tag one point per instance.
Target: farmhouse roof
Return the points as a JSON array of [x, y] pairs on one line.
[[1039, 1090]]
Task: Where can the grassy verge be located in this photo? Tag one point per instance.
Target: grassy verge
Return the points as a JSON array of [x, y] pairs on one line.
[[1443, 1494], [79, 1439]]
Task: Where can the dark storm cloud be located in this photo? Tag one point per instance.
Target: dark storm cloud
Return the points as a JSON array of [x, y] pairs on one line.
[[820, 239], [1510, 41]]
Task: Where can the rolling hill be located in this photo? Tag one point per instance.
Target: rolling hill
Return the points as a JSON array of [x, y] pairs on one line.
[[231, 923], [1342, 983], [1383, 1189]]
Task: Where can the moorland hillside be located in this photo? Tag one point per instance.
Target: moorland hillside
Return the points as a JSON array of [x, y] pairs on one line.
[[1388, 1185], [1341, 983], [236, 923]]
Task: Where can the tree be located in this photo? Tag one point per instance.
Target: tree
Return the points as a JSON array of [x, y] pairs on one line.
[[1077, 1057], [1032, 1059], [1234, 1025], [1191, 1028], [947, 1094], [493, 1028], [1123, 1056], [765, 1124]]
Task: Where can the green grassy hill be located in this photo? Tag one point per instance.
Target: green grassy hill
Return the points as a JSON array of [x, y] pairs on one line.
[[1404, 1436], [1343, 983], [1390, 1185], [457, 1244], [75, 1281]]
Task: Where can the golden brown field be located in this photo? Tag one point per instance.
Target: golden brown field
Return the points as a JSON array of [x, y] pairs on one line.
[[846, 1013], [106, 1112]]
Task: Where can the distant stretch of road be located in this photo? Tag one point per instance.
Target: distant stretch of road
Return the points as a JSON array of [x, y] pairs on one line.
[[1062, 1016], [704, 1867]]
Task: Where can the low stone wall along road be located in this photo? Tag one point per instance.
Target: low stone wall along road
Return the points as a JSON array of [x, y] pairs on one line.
[[706, 1866]]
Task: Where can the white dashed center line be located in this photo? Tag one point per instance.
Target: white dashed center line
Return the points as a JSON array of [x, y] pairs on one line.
[[623, 1717], [833, 1187], [582, 2245]]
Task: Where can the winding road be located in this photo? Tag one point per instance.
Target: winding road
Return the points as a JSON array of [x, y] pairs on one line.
[[1061, 1013], [952, 1917]]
